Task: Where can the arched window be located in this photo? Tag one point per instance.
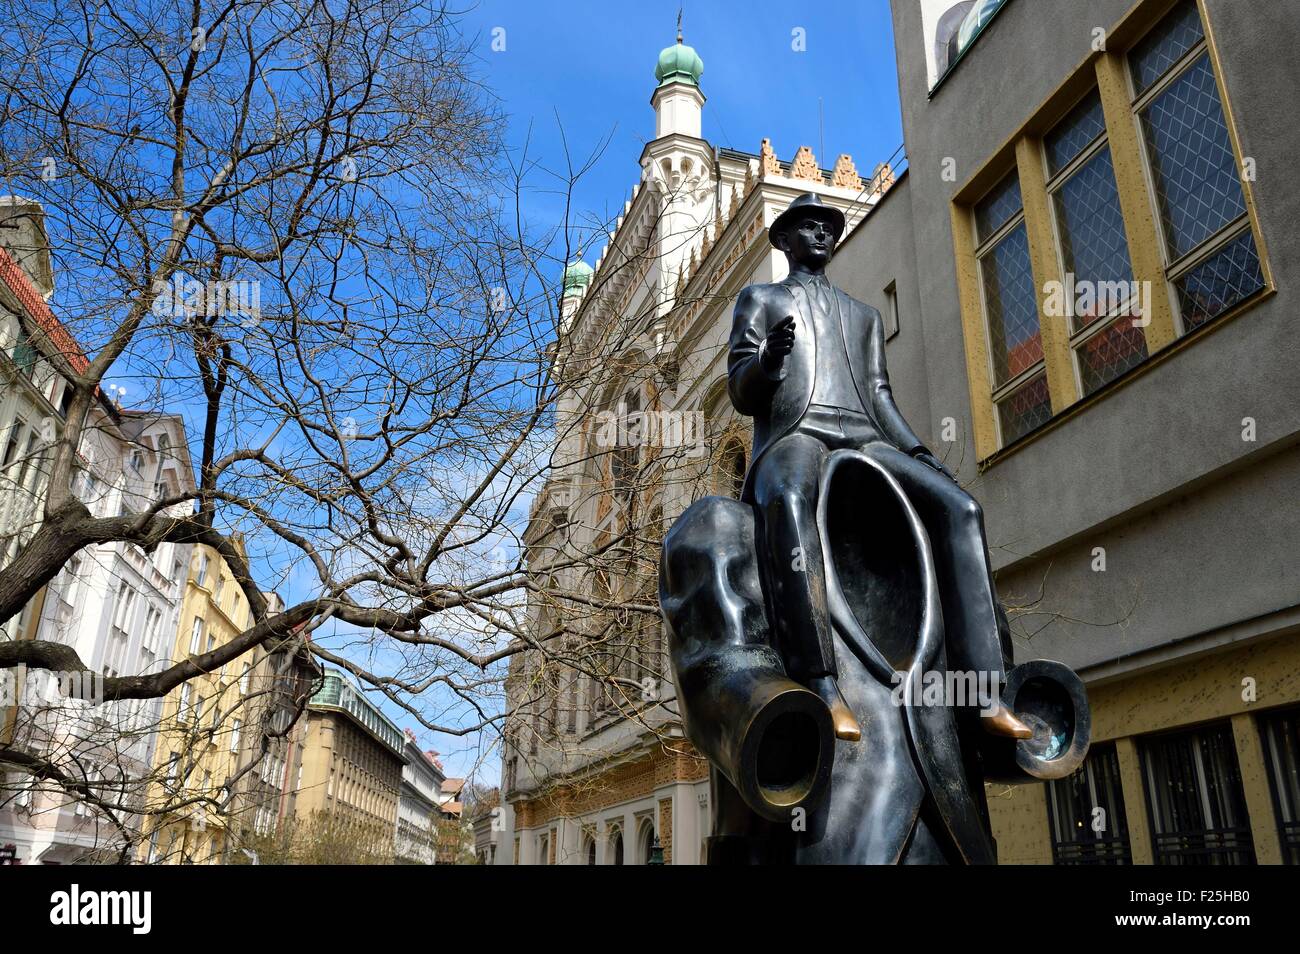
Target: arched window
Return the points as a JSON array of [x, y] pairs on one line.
[[647, 843], [735, 468], [626, 452], [591, 851], [729, 467], [602, 658], [616, 847], [945, 35]]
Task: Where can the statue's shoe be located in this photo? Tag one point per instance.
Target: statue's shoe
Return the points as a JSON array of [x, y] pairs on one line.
[[843, 720], [1004, 722]]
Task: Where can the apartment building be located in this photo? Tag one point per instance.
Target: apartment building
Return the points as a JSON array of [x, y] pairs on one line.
[[227, 756], [418, 804], [113, 603], [282, 678], [38, 353], [353, 757]]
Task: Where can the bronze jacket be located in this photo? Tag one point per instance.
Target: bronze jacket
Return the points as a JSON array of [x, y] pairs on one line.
[[778, 402]]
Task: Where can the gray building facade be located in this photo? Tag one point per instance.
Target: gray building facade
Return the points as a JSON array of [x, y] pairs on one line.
[[1135, 453]]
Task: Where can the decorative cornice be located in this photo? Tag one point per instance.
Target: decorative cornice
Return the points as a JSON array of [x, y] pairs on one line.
[[805, 166], [845, 174], [771, 166], [882, 179]]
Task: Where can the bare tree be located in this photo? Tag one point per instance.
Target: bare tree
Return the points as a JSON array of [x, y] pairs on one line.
[[294, 221]]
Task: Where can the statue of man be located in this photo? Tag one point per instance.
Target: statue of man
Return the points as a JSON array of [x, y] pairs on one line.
[[807, 362]]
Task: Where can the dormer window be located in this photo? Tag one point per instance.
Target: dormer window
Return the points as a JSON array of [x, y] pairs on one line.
[[24, 354]]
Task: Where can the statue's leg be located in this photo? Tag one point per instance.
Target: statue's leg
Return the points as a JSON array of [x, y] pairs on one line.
[[786, 482], [785, 492], [956, 524], [929, 843]]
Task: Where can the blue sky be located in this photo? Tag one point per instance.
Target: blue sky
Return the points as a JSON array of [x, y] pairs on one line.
[[592, 63], [589, 66]]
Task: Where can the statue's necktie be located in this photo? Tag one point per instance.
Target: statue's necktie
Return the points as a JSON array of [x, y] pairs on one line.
[[820, 294]]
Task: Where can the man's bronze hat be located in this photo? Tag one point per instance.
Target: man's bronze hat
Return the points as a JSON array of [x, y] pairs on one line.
[[808, 204]]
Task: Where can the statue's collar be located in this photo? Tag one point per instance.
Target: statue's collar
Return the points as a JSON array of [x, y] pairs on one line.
[[809, 282], [807, 279]]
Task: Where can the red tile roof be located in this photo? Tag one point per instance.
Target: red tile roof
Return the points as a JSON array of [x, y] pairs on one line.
[[16, 280]]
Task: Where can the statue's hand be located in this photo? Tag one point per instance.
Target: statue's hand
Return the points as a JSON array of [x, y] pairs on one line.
[[778, 343], [925, 457]]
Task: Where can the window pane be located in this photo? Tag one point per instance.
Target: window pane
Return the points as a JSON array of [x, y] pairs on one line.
[[1198, 808], [1191, 158], [1074, 133], [1160, 49], [1110, 352], [25, 356], [1280, 732], [1089, 824], [997, 208], [1228, 276], [1093, 245], [1012, 306], [1025, 408]]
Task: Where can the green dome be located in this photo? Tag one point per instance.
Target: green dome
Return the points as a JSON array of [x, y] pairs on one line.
[[679, 63], [576, 277]]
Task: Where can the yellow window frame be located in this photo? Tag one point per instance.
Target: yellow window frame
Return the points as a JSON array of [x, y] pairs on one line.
[[1106, 70]]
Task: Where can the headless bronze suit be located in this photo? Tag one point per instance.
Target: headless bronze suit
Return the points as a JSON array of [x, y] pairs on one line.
[[783, 482]]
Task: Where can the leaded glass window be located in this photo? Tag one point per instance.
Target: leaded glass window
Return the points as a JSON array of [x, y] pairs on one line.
[[1210, 250], [1099, 298], [1011, 311]]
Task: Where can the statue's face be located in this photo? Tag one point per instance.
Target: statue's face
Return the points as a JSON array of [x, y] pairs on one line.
[[810, 242]]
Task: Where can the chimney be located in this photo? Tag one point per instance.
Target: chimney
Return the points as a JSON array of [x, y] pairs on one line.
[[23, 236]]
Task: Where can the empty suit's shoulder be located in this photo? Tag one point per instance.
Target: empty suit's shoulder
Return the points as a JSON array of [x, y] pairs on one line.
[[757, 297]]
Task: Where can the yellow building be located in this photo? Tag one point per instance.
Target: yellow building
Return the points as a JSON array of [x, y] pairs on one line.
[[352, 762], [1206, 741], [203, 735]]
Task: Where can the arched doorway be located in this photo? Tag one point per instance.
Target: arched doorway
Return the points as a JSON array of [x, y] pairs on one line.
[[647, 843], [616, 847]]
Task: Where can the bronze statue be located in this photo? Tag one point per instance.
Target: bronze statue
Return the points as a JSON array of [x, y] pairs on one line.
[[822, 626]]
